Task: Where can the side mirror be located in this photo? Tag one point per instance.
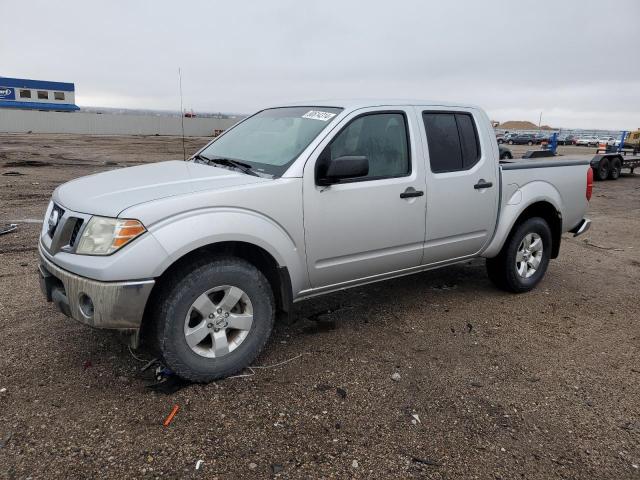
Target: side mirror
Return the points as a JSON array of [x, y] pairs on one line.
[[343, 168]]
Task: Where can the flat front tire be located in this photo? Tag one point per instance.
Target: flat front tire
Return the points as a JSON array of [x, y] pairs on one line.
[[214, 318], [524, 258]]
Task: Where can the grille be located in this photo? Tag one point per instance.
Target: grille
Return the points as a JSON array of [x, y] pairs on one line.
[[75, 231], [56, 214]]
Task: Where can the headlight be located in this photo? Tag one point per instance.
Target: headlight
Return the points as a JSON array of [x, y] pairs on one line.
[[104, 236]]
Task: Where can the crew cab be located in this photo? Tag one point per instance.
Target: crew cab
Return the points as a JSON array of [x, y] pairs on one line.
[[195, 258]]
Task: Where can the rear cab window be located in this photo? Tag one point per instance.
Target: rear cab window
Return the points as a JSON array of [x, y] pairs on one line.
[[452, 140]]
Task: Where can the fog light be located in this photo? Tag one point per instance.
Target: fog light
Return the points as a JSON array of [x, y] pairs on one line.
[[86, 305]]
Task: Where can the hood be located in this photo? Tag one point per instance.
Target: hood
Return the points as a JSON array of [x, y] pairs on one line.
[[109, 193]]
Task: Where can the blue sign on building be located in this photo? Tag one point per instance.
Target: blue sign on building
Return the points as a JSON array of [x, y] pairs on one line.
[[37, 94], [7, 93]]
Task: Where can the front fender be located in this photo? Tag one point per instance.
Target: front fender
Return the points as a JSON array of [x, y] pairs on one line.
[[512, 207], [181, 234]]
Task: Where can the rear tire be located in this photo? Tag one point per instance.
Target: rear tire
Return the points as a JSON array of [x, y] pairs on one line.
[[522, 262], [529, 143], [615, 169], [510, 142], [602, 170], [204, 299]]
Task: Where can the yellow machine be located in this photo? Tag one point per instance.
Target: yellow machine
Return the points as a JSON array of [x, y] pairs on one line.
[[633, 139]]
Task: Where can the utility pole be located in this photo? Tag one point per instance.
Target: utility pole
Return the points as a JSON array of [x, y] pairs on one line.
[[540, 121], [184, 150]]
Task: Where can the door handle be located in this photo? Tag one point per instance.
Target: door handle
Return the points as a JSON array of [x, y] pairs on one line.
[[482, 183], [410, 192]]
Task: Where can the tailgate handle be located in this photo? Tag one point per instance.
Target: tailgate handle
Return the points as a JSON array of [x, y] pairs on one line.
[[482, 183]]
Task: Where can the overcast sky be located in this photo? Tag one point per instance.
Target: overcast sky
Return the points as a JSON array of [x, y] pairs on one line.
[[513, 58]]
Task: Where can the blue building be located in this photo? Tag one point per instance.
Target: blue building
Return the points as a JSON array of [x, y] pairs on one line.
[[37, 95]]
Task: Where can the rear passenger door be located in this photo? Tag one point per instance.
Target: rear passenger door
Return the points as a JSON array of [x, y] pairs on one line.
[[462, 183]]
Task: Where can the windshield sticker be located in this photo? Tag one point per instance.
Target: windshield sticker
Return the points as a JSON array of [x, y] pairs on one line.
[[318, 115]]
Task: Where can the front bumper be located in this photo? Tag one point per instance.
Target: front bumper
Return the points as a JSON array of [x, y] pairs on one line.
[[113, 305]]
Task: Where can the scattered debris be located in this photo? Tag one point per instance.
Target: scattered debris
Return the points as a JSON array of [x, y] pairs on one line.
[[469, 327], [171, 415], [276, 468], [253, 367], [12, 173], [199, 464], [396, 377], [416, 418], [3, 390], [8, 228], [253, 466], [5, 441], [28, 220], [86, 364], [477, 384], [354, 464], [591, 244], [342, 393], [169, 383], [425, 461]]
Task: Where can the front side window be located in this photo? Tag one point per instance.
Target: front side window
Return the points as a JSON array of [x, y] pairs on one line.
[[453, 141], [381, 137], [58, 95], [272, 139]]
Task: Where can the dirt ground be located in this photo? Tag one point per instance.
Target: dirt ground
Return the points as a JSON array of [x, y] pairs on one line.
[[492, 385]]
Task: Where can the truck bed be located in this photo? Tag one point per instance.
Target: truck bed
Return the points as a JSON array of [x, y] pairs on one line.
[[568, 161]]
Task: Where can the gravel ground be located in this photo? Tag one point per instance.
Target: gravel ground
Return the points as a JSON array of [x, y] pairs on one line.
[[491, 385]]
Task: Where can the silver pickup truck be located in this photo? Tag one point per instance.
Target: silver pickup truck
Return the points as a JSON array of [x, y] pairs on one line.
[[196, 258]]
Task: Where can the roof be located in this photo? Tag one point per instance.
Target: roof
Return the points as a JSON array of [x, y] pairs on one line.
[[355, 104], [42, 84]]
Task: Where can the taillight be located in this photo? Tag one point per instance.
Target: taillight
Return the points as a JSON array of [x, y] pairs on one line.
[[589, 183]]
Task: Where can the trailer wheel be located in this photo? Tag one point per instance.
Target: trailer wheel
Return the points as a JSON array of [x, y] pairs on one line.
[[602, 170], [529, 142], [615, 168]]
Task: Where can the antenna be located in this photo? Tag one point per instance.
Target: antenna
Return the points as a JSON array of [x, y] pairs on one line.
[[184, 150]]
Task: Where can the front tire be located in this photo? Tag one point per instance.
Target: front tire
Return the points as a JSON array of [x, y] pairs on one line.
[[214, 318], [524, 258]]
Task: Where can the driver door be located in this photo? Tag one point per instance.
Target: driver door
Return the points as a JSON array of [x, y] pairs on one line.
[[366, 227]]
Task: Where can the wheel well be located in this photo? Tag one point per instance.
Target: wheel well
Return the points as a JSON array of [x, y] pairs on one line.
[[549, 213], [278, 277]]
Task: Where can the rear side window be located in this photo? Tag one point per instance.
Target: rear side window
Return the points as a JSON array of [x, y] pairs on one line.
[[453, 141]]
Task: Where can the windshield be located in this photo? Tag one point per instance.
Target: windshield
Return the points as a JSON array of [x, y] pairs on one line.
[[272, 139]]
